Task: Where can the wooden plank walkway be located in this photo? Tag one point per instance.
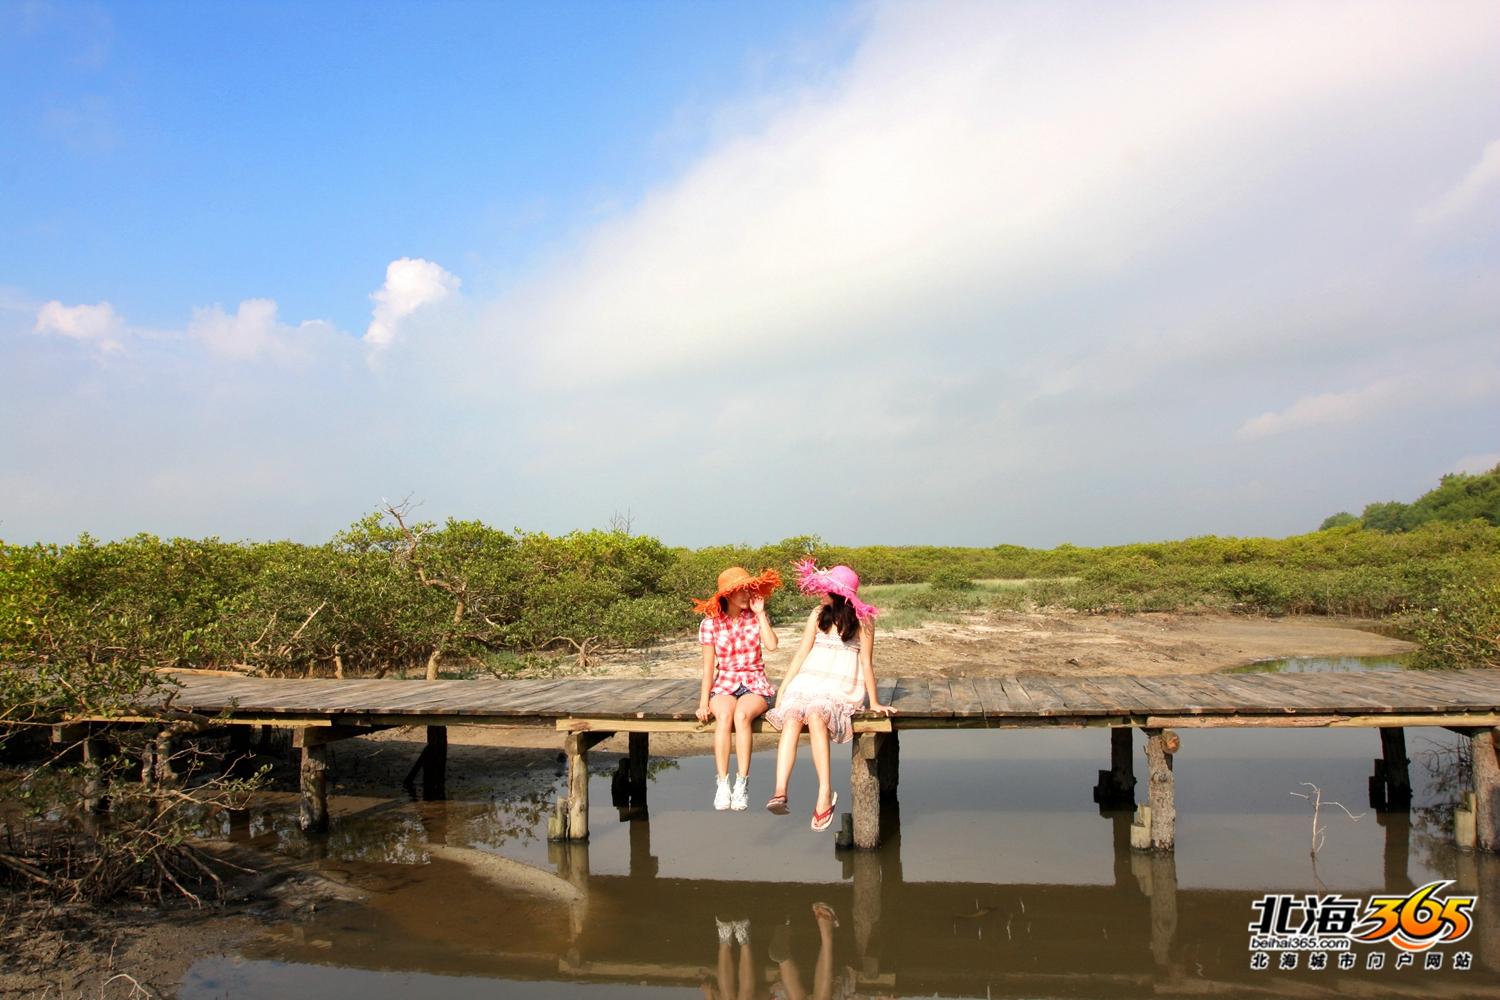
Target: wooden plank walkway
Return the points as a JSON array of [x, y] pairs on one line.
[[586, 711], [1386, 698]]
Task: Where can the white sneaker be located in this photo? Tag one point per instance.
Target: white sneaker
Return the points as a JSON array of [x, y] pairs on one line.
[[739, 799], [721, 796], [726, 930]]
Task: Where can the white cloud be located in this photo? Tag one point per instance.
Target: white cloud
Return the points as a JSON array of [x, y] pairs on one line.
[[253, 332], [98, 324], [1481, 181], [1396, 394], [410, 284], [973, 157], [1324, 408]]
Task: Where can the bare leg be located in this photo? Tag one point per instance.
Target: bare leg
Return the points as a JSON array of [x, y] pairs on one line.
[[823, 971], [791, 978], [747, 973], [750, 708], [786, 753], [726, 970], [817, 738], [722, 705]]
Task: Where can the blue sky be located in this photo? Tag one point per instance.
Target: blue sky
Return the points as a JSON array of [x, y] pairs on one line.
[[883, 272]]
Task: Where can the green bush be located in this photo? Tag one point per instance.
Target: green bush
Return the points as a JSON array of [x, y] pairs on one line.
[[950, 578], [1462, 629]]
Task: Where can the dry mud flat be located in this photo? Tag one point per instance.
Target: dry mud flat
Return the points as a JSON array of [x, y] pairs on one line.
[[1065, 643]]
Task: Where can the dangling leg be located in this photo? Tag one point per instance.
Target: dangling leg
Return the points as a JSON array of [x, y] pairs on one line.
[[817, 738], [749, 708], [723, 708], [786, 759]]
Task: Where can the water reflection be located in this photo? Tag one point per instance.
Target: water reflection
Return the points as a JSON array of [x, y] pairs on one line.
[[1327, 664], [999, 878]]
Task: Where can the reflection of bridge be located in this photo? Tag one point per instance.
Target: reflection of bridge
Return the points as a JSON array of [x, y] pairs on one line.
[[1140, 936], [586, 712]]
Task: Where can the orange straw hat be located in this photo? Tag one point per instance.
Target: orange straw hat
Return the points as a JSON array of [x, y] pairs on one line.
[[738, 578]]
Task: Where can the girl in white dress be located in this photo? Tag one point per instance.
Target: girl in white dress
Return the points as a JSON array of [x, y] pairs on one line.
[[832, 673]]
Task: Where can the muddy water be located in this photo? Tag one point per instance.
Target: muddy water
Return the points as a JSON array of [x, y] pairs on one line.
[[1003, 879]]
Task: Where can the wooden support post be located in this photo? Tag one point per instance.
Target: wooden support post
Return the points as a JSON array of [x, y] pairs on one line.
[[1115, 788], [313, 817], [575, 808], [864, 787], [640, 759], [643, 864], [1477, 874], [867, 909], [238, 753], [1390, 784], [435, 764], [1397, 855], [1156, 821], [888, 766], [95, 791], [1486, 750], [1163, 908]]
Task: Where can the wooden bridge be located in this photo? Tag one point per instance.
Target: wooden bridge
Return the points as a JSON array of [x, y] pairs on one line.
[[588, 711]]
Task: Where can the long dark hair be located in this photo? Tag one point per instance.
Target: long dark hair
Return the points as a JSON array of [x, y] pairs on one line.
[[839, 613]]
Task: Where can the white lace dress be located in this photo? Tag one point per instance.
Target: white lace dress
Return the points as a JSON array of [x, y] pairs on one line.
[[829, 684]]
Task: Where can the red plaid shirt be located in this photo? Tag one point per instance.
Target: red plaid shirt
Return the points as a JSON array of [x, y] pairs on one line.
[[737, 657]]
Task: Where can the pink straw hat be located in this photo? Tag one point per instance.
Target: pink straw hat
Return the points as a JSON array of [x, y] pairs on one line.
[[839, 580]]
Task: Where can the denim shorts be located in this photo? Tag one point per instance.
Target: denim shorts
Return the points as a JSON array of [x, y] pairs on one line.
[[742, 690]]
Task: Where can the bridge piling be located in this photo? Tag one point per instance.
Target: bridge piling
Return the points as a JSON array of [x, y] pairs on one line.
[[1390, 784], [1486, 789], [1115, 788], [1156, 822], [864, 787]]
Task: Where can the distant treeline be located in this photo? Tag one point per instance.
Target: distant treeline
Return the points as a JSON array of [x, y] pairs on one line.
[[388, 595], [1460, 496]]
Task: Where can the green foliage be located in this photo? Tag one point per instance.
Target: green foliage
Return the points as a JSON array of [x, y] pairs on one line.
[[950, 578], [1339, 520], [1462, 628], [1460, 496]]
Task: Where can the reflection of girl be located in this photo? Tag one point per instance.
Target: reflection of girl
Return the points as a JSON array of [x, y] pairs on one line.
[[732, 986], [735, 689], [825, 987], [831, 674]]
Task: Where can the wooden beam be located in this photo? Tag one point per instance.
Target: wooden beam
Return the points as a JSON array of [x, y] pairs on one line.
[[318, 735], [689, 726]]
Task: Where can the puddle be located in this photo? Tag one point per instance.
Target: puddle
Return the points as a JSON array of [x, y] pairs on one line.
[[1327, 665], [1002, 879]]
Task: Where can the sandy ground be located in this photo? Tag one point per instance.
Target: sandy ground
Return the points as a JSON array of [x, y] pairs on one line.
[[1062, 642], [88, 952]]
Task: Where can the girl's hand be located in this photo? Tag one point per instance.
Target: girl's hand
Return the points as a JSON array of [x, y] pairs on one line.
[[758, 604], [880, 709], [702, 712]]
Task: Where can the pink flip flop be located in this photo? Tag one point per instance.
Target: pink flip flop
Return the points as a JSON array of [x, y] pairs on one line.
[[821, 820], [778, 805]]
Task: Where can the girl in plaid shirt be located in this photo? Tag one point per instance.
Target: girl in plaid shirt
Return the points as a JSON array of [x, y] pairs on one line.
[[735, 688]]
